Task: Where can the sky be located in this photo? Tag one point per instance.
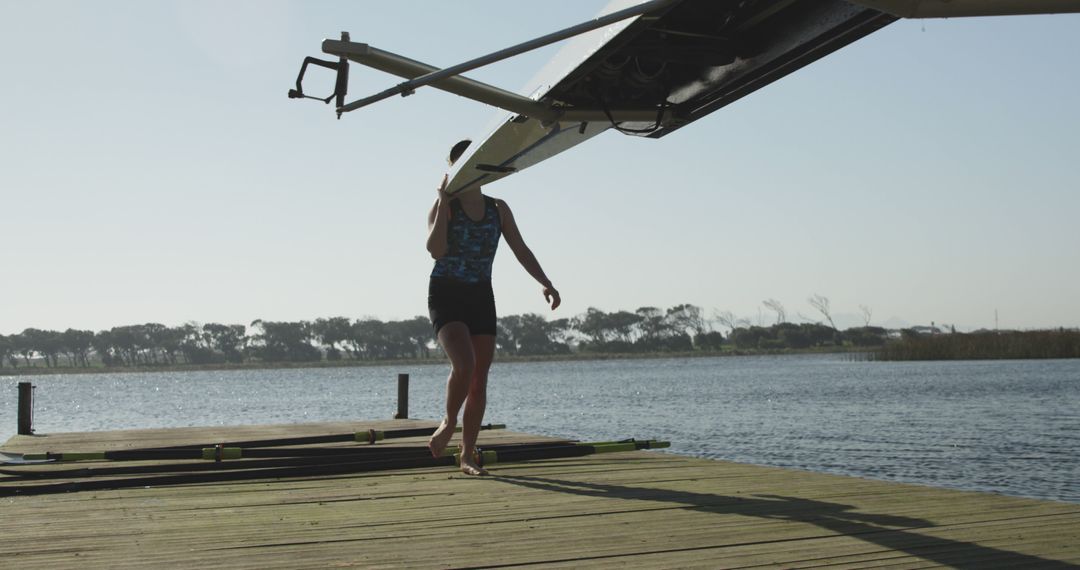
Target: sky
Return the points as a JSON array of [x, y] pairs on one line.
[[152, 169]]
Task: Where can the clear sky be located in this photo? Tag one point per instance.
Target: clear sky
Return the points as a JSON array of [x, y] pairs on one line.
[[152, 169]]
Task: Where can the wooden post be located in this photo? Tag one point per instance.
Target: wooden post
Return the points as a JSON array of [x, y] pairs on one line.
[[26, 408], [402, 397]]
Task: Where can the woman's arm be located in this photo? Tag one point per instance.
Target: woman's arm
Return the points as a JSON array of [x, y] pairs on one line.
[[525, 255], [438, 219]]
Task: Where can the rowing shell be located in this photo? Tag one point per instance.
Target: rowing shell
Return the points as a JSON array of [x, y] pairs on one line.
[[652, 74], [645, 67]]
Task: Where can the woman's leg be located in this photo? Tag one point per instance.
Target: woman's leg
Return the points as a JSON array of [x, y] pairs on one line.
[[456, 342], [476, 402]]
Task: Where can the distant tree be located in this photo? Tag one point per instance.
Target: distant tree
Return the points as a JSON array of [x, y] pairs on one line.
[[197, 346], [407, 339], [562, 331], [28, 342], [603, 332], [103, 346], [79, 343], [725, 318], [594, 324], [711, 340], [867, 312], [375, 339], [45, 343], [53, 347], [529, 334], [420, 334], [125, 344], [509, 330], [369, 337], [729, 320], [20, 348], [748, 337], [193, 343], [684, 319], [532, 336], [678, 342], [790, 335], [866, 336], [623, 325], [821, 303], [286, 342], [363, 335], [229, 340], [819, 334], [352, 344], [653, 327], [153, 337], [333, 332], [778, 308], [5, 349], [171, 342], [134, 341], [25, 344]]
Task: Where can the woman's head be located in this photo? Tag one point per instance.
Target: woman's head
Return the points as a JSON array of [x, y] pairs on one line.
[[457, 150]]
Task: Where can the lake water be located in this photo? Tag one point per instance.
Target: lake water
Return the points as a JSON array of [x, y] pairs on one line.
[[1011, 427]]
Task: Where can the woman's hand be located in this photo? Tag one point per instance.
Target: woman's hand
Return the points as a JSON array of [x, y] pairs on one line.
[[551, 295], [443, 196]]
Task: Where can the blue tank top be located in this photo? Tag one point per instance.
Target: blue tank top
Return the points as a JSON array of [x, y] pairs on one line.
[[470, 244]]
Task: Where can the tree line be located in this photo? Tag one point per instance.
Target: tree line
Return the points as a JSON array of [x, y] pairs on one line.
[[214, 343], [681, 328]]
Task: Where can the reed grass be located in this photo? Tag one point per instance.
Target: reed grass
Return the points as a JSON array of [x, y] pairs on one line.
[[987, 345]]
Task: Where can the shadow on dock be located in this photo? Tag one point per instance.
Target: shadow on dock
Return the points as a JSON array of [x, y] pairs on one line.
[[888, 531]]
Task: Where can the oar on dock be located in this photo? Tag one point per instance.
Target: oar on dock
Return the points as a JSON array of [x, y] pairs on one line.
[[229, 450], [504, 454], [366, 436], [304, 456]]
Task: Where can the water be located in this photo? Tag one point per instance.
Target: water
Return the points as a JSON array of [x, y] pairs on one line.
[[1010, 427]]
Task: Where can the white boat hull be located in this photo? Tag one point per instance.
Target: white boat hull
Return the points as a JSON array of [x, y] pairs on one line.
[[517, 144]]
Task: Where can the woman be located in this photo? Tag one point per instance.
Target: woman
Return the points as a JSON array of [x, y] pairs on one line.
[[463, 234]]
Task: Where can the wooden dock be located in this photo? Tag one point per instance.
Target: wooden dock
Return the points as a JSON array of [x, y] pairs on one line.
[[642, 509]]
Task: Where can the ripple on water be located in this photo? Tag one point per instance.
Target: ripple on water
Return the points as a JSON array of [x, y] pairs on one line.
[[1003, 426]]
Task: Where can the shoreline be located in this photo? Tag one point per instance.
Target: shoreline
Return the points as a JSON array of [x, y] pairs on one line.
[[65, 370]]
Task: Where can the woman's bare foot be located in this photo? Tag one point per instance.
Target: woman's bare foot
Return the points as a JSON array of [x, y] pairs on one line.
[[441, 438], [469, 466]]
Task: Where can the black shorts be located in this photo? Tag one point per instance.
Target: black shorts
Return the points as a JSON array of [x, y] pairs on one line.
[[456, 301]]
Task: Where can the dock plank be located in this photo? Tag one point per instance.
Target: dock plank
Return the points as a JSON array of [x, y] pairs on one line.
[[634, 510]]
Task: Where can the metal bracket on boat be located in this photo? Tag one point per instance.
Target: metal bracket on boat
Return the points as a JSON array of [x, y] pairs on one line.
[[341, 85]]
